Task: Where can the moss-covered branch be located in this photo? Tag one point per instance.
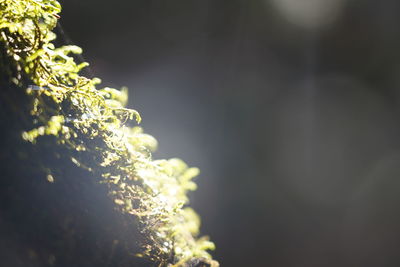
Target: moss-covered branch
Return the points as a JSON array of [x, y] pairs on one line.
[[90, 124]]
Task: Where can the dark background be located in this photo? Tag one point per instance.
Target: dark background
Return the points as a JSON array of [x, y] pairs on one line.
[[289, 107]]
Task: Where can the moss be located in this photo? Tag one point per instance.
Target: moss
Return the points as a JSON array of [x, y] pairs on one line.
[[89, 125]]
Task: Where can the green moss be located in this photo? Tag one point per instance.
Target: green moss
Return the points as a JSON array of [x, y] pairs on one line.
[[92, 123]]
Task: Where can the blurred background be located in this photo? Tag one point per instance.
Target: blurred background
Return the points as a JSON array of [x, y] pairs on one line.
[[289, 107]]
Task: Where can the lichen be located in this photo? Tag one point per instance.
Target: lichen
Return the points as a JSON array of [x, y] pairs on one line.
[[93, 121]]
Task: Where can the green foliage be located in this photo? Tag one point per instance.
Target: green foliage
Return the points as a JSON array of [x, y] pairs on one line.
[[92, 121]]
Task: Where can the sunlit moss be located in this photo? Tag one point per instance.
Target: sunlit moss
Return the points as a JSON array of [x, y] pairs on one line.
[[91, 120]]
